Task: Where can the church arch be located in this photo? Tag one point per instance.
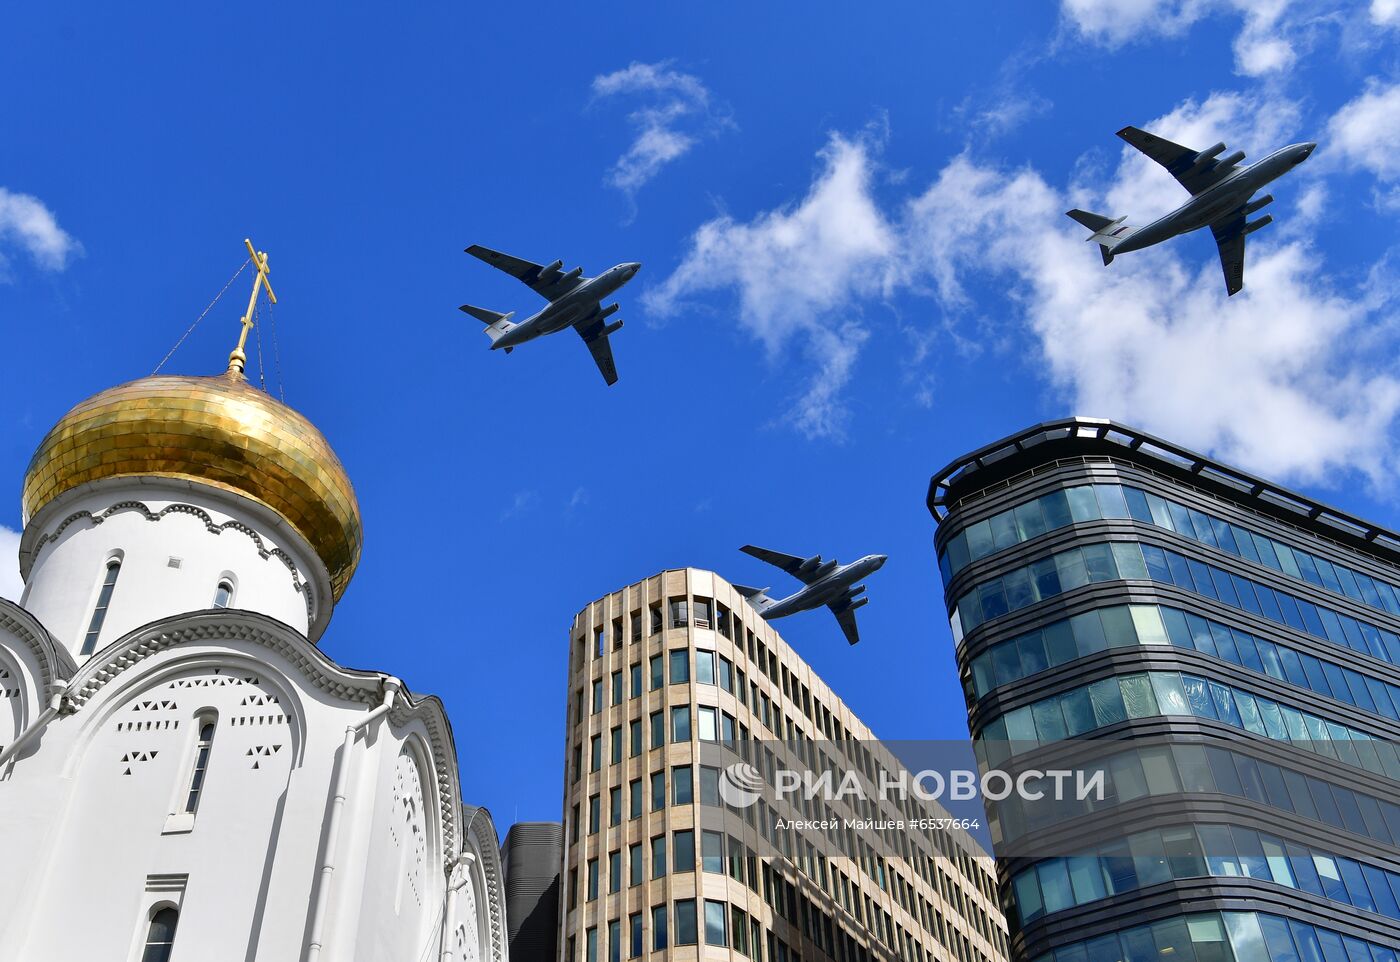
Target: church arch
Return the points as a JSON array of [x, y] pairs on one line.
[[270, 699]]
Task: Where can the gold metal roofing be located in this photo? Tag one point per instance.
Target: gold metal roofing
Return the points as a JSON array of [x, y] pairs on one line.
[[219, 431]]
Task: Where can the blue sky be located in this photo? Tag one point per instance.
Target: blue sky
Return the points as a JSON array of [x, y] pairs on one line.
[[856, 267]]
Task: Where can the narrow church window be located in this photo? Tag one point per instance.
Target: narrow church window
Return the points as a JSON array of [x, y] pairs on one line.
[[201, 765], [223, 594], [104, 599], [161, 937]]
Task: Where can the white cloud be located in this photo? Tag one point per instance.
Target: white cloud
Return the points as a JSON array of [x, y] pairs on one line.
[[11, 585], [521, 502], [798, 271], [27, 224], [1286, 378], [1271, 31], [1385, 13], [1366, 132], [676, 114], [1280, 378]]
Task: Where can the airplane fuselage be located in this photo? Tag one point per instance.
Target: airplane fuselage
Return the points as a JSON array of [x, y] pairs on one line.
[[569, 309], [1217, 201], [827, 588]]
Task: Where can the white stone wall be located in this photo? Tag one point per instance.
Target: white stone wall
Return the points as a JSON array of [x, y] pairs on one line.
[[96, 840], [176, 542]]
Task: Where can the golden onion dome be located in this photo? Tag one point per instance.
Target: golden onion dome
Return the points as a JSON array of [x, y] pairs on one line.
[[219, 431]]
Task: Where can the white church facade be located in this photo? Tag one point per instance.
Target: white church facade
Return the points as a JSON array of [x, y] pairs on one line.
[[184, 775]]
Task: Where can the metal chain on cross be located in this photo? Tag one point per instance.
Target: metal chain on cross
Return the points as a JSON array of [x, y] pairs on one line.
[[262, 376], [190, 330], [276, 352]]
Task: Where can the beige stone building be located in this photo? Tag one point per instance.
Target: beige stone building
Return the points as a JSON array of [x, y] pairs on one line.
[[661, 674]]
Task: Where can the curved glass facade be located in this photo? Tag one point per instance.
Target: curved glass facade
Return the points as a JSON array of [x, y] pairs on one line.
[[1228, 663], [1224, 937]]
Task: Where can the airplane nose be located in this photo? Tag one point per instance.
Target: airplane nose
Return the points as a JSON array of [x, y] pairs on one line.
[[633, 267], [1308, 149], [880, 560]]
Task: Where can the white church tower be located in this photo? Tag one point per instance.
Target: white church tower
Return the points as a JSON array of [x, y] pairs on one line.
[[184, 775]]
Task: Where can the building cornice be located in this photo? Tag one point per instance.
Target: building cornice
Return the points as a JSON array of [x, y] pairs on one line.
[[55, 662], [998, 463]]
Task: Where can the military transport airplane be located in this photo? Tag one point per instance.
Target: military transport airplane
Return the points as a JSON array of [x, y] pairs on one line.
[[826, 583], [1220, 198], [574, 301]]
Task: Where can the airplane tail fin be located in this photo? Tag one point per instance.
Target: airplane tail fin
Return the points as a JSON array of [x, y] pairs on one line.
[[497, 325], [757, 597], [1108, 232]]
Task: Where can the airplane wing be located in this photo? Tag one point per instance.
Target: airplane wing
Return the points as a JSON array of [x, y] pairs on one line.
[[787, 562], [1180, 161], [548, 281], [1229, 237], [595, 334], [846, 618]]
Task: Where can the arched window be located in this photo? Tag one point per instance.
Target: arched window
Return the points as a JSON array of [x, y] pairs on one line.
[[104, 599], [160, 939], [223, 594], [201, 765]]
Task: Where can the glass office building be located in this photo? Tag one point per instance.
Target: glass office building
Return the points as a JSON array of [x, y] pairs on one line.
[[1225, 652]]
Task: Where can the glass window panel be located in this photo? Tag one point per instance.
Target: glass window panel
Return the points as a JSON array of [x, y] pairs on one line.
[[979, 540], [1332, 949], [1269, 658], [1056, 508], [1054, 885], [1178, 631], [1061, 646], [1083, 506], [1049, 722], [1205, 929], [1200, 523], [1277, 938], [1159, 770], [1156, 561], [1149, 858], [1111, 501], [1358, 893], [1249, 712], [1377, 882], [1088, 631], [1028, 901], [1245, 937], [1018, 589], [685, 922], [1192, 768], [1128, 560], [1197, 696], [1086, 879], [1069, 567], [1147, 621], [1046, 578], [1106, 699], [1219, 850], [1118, 862], [1251, 854], [1030, 520], [1225, 705], [1078, 712], [1138, 699], [1331, 876], [1277, 858], [1127, 775], [1171, 699], [1098, 562], [1183, 849], [1160, 515], [1032, 651], [1137, 505]]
